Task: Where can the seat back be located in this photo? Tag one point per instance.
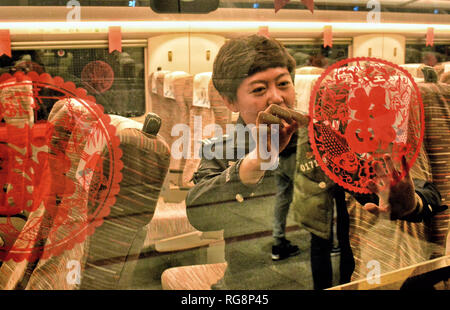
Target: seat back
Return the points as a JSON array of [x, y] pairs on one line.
[[436, 98], [16, 110], [304, 85], [104, 260], [167, 94], [56, 231], [445, 78], [114, 248], [196, 113], [222, 115]]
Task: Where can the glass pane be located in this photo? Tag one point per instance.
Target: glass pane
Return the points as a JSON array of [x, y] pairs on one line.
[[158, 186], [116, 80]]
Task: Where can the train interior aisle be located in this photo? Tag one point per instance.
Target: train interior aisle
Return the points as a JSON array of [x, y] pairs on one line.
[[106, 108]]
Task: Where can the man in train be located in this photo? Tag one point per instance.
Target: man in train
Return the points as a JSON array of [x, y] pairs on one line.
[[254, 75]]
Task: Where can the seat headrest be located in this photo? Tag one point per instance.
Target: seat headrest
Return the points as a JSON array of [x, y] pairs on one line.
[[152, 124], [169, 79], [201, 89], [309, 70]]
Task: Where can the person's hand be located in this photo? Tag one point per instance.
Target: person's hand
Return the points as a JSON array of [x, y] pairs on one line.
[[265, 155], [288, 121], [395, 190]]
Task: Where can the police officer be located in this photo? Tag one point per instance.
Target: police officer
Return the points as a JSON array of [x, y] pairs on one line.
[[254, 76]]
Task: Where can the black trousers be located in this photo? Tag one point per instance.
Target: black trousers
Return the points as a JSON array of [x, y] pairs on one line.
[[321, 250]]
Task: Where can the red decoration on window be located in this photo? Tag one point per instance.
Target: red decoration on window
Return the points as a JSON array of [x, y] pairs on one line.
[[361, 109], [327, 36], [5, 42], [48, 167], [430, 36], [97, 75], [115, 39]]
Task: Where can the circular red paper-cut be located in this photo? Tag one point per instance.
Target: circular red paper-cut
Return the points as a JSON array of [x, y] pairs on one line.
[[53, 169], [98, 75], [361, 109]]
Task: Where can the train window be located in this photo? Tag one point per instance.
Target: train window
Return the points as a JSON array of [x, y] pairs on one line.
[[316, 55], [149, 190], [430, 55], [115, 79], [184, 6]]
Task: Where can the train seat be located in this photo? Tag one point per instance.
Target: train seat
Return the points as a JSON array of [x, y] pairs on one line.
[[170, 229], [155, 80], [309, 70], [435, 98], [168, 102], [418, 71], [115, 247], [222, 115], [196, 277], [213, 111], [445, 78], [121, 122], [442, 68], [157, 105], [50, 273], [176, 105], [109, 256], [13, 97], [198, 105], [304, 84]]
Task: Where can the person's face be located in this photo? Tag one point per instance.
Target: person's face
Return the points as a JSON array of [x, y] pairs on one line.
[[431, 60], [258, 91]]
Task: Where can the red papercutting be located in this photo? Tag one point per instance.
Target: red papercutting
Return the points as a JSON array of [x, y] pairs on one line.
[[48, 167], [361, 109], [430, 36], [98, 75], [5, 42], [327, 36], [115, 39]]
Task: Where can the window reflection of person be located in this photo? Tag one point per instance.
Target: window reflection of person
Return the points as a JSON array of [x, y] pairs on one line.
[[430, 59], [318, 60]]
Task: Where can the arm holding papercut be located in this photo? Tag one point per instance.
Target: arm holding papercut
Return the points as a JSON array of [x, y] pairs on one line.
[[402, 197]]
